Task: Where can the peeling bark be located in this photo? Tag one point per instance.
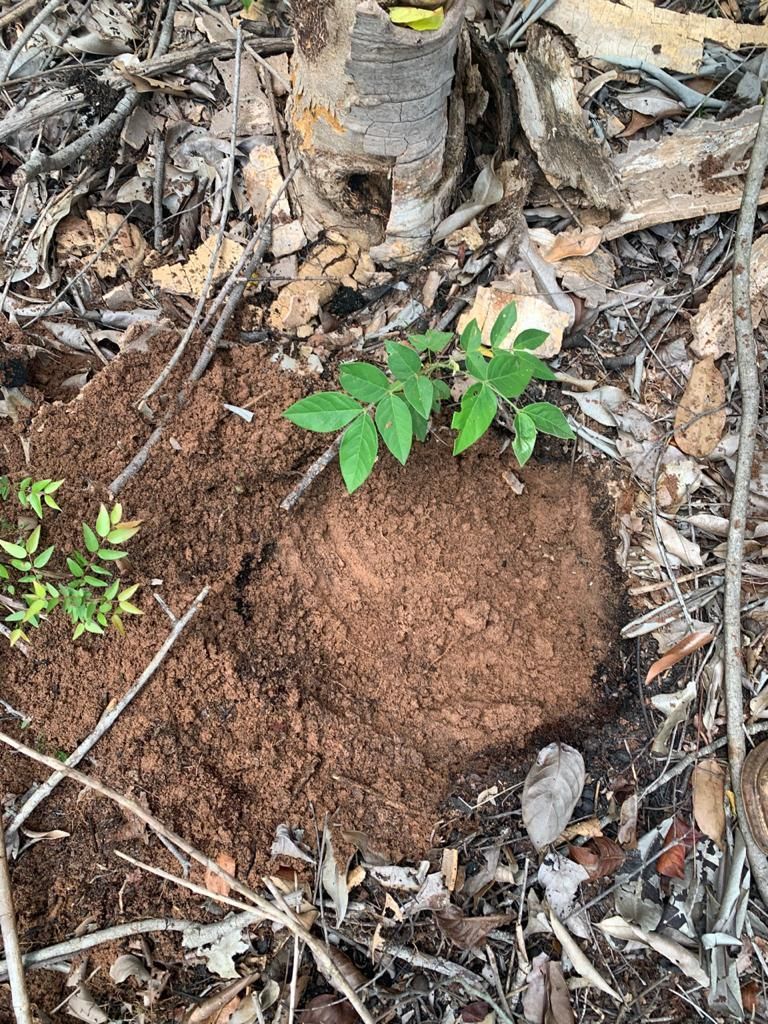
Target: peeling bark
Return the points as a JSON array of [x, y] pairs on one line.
[[377, 126]]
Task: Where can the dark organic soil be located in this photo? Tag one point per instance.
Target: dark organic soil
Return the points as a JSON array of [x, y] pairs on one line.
[[354, 657]]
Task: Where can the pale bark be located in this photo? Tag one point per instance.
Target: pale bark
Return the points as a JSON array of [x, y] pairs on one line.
[[376, 123]]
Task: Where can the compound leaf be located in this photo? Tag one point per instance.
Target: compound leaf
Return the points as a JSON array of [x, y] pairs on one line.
[[504, 323], [395, 425], [364, 381], [357, 453], [549, 420], [323, 412], [525, 437], [478, 407], [432, 341]]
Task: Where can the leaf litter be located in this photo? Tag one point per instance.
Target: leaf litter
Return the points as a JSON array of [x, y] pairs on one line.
[[643, 228]]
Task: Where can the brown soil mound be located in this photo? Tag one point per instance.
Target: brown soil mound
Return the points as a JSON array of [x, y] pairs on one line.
[[354, 658]]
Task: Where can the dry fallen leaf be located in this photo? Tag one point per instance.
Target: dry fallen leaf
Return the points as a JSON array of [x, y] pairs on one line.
[[700, 417], [673, 951], [677, 842], [468, 932], [122, 244], [574, 242], [188, 278], [627, 835], [551, 791], [681, 650], [328, 1009], [215, 882], [599, 857], [708, 785], [754, 792], [559, 1009]]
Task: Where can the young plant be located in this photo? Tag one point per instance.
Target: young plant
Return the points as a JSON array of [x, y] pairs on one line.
[[397, 405], [89, 593]]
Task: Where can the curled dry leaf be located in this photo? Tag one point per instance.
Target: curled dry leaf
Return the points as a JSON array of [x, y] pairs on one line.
[[581, 964], [678, 840], [572, 242], [334, 878], [681, 650], [535, 994], [352, 974], [478, 1012], [559, 1009], [128, 966], [551, 791], [468, 932], [700, 417], [708, 785], [600, 857], [754, 792], [328, 1009], [668, 948], [628, 822]]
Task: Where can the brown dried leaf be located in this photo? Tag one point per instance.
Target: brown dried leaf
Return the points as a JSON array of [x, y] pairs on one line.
[[628, 822], [559, 1009], [677, 842], [681, 650], [188, 278], [708, 785], [352, 974], [754, 792], [476, 1013], [599, 857], [467, 932], [636, 124], [329, 1009], [700, 417], [215, 882], [551, 791], [582, 242]]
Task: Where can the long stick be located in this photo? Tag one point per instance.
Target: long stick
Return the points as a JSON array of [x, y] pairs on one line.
[[19, 996], [270, 912], [746, 357], [107, 720]]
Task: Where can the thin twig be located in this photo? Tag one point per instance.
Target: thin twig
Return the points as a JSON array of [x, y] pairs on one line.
[[26, 34], [16, 12], [158, 189], [107, 720], [82, 943], [311, 475], [21, 1008], [213, 262], [270, 912], [746, 357]]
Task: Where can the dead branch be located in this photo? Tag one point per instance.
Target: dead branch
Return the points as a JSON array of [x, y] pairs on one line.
[[16, 12], [159, 186], [746, 357], [19, 997], [82, 943], [270, 912], [106, 721], [39, 110], [40, 163], [311, 475]]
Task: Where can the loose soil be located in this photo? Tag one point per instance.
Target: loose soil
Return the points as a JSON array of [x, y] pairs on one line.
[[355, 657]]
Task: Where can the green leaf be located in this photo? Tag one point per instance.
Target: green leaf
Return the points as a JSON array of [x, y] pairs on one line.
[[74, 568], [363, 381], [476, 365], [441, 389], [357, 453], [432, 341], [507, 375], [402, 361], [36, 505], [471, 338], [111, 556], [111, 592], [49, 501], [53, 485], [532, 338], [131, 609], [419, 394], [549, 420], [420, 425], [525, 437], [534, 366], [94, 627], [475, 416], [505, 321], [418, 18], [38, 486], [102, 521], [94, 581], [5, 487], [43, 558], [14, 550], [79, 630], [121, 534], [90, 538], [395, 425], [116, 514], [128, 593], [323, 412], [4, 574], [33, 540]]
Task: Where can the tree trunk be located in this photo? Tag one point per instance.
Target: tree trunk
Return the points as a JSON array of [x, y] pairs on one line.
[[377, 125]]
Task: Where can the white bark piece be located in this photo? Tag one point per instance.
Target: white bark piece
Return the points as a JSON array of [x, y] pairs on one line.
[[639, 30]]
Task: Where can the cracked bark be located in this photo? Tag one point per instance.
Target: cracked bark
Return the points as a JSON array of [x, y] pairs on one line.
[[377, 124]]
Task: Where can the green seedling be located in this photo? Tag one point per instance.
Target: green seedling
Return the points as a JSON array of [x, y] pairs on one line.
[[397, 406], [90, 592]]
